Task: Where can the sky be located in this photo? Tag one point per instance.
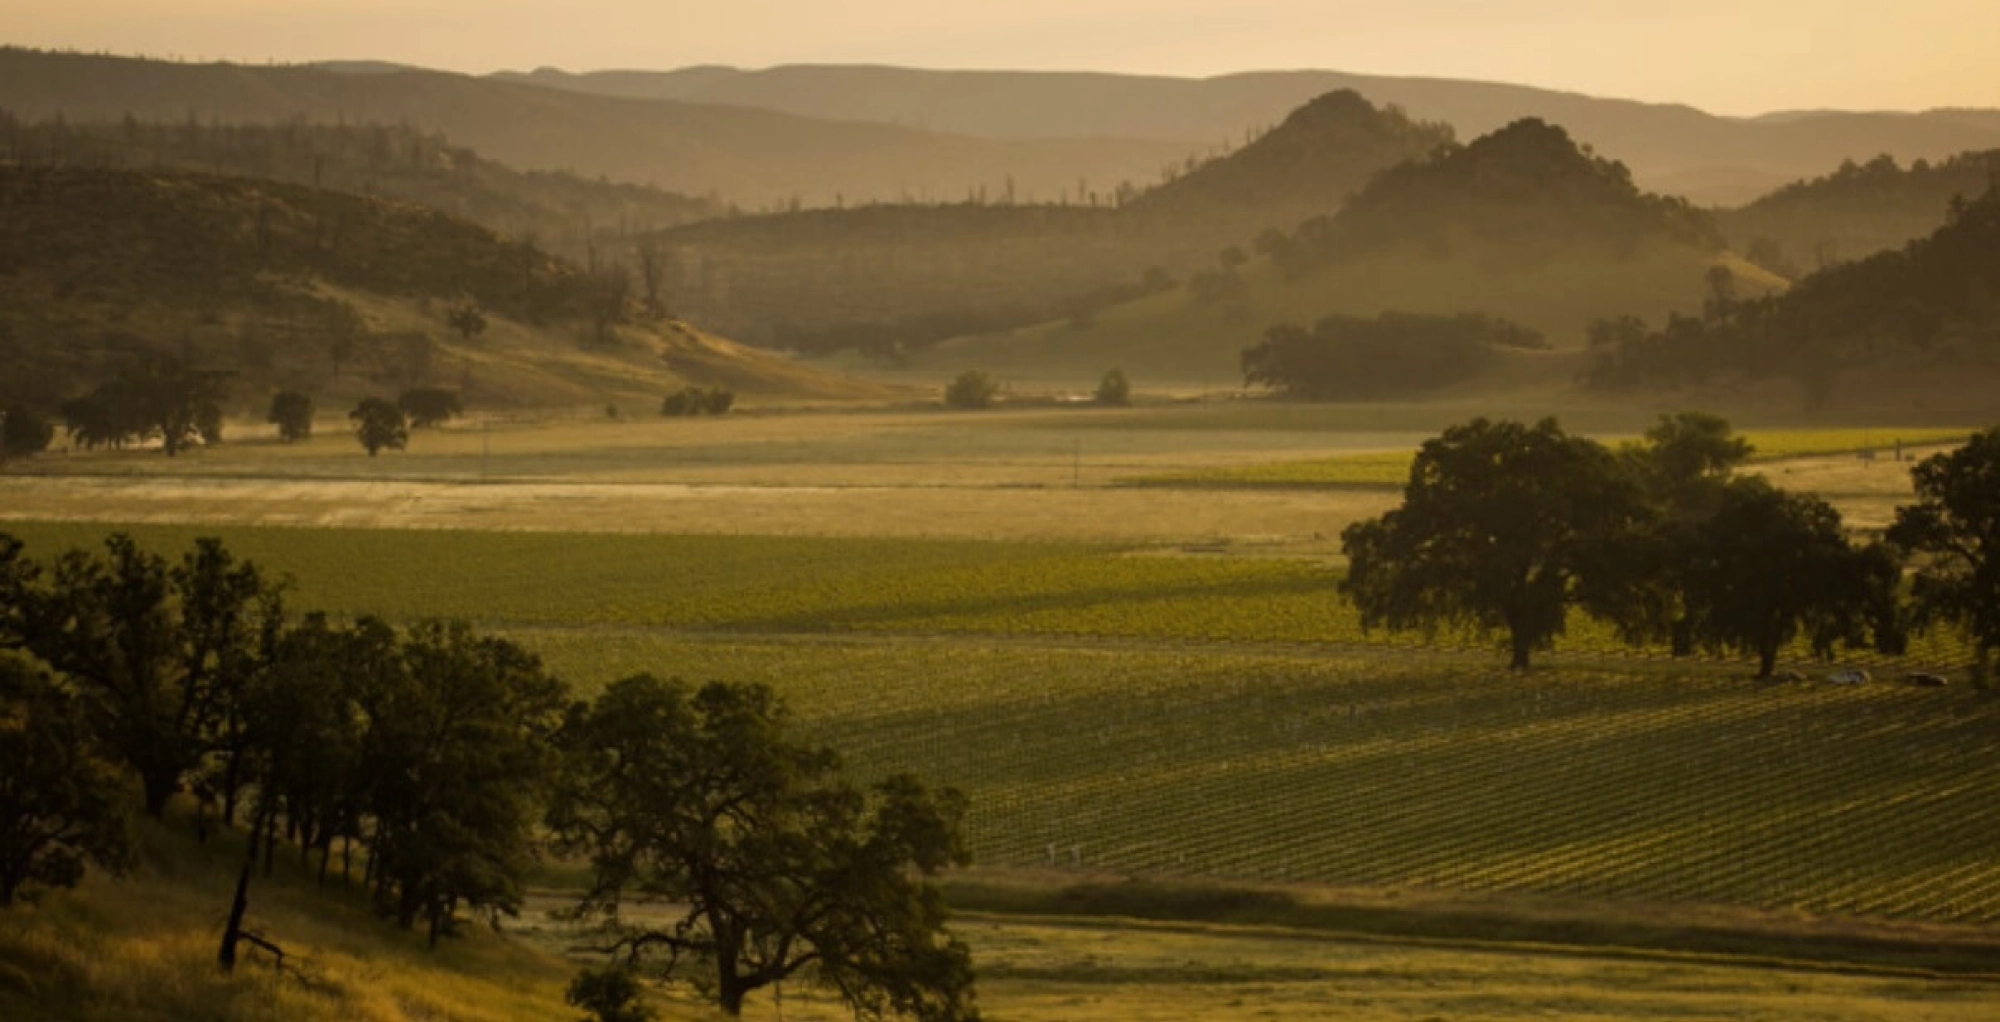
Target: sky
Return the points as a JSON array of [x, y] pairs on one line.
[[1725, 56]]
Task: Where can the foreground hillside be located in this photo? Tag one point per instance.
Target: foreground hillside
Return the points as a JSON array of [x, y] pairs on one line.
[[285, 285], [144, 948]]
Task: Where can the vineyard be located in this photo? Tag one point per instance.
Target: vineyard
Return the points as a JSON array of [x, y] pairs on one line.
[[1639, 783], [1389, 468], [763, 585], [1113, 710]]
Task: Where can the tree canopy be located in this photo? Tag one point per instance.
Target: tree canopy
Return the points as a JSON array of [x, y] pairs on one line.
[[1494, 528], [378, 424], [777, 866], [1954, 528], [1396, 353], [1768, 566], [292, 413]]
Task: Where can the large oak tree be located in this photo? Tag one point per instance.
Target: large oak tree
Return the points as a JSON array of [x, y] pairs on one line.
[[774, 865], [1496, 524]]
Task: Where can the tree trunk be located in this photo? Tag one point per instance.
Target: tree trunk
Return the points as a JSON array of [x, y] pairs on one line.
[[233, 931], [159, 783], [730, 994], [1767, 660], [1523, 648]]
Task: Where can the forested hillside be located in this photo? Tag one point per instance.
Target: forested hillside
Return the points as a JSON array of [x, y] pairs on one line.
[[287, 285], [1522, 224], [563, 211], [1929, 311], [896, 277], [1854, 212]]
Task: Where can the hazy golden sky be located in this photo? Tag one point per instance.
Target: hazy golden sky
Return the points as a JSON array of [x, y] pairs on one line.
[[1728, 56]]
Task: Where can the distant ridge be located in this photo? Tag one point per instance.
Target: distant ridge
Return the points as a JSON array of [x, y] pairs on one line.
[[1721, 160], [755, 158], [1521, 224]]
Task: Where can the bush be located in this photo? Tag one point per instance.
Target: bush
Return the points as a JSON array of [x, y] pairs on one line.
[[1114, 389], [974, 388], [292, 413], [699, 401], [22, 432], [428, 406]]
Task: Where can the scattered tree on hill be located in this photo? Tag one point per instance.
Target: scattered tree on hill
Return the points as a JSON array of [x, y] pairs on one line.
[[1114, 389], [429, 406], [1770, 565], [378, 423], [467, 318], [61, 808], [973, 389], [702, 801], [292, 413], [1954, 529], [607, 292], [652, 270], [23, 432], [1493, 532]]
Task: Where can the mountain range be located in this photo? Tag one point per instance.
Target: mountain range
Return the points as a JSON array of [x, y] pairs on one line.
[[1671, 148], [819, 135]]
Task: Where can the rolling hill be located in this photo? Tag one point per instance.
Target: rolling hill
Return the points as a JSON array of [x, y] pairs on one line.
[[1671, 148], [290, 286], [1907, 327], [810, 279], [751, 157], [1520, 224], [1856, 211], [566, 212]]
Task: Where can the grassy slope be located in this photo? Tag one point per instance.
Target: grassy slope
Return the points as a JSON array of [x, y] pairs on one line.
[[514, 363], [143, 949], [1172, 337], [264, 278]]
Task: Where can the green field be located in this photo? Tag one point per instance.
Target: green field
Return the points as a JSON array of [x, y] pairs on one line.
[[1225, 718], [1392, 467]]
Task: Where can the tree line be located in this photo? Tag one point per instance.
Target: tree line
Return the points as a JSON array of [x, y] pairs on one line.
[[1397, 353], [446, 761], [1505, 527]]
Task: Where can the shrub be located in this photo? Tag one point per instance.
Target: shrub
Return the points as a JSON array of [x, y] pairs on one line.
[[974, 388]]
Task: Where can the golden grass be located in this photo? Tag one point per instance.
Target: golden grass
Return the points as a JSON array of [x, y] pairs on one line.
[[143, 948]]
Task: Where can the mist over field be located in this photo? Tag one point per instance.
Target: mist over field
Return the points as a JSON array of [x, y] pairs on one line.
[[1109, 514]]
